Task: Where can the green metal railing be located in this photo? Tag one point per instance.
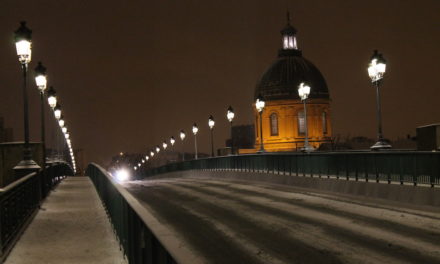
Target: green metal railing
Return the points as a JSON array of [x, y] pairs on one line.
[[138, 242], [415, 167], [20, 200]]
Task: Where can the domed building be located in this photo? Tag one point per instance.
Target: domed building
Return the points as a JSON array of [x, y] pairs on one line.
[[283, 121]]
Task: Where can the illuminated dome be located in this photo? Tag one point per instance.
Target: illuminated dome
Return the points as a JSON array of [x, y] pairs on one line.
[[283, 77]]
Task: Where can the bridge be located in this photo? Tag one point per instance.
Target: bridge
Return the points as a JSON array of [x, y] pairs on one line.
[[347, 207]]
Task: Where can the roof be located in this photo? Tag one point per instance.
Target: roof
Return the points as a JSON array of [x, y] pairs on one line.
[[282, 78]]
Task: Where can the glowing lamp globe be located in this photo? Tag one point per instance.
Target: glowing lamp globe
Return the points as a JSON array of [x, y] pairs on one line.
[[260, 103], [303, 91], [211, 122], [230, 114]]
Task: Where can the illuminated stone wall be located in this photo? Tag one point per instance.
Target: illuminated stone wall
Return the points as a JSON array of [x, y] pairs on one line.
[[289, 138]]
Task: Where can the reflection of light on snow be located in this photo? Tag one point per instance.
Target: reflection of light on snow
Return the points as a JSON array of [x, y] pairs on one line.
[[122, 175]]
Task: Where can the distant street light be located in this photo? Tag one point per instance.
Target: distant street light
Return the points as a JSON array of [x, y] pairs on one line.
[[172, 141], [195, 129], [61, 121], [259, 105], [230, 115], [64, 129], [182, 137], [157, 149], [303, 92], [52, 97], [41, 81], [376, 71], [151, 153], [164, 145], [23, 44], [211, 124], [57, 111]]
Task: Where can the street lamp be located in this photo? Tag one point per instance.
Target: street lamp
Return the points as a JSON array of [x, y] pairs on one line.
[[195, 129], [172, 141], [151, 153], [57, 111], [157, 149], [164, 145], [61, 121], [376, 71], [211, 124], [259, 105], [41, 81], [23, 43], [303, 92], [182, 137], [230, 115], [52, 97], [64, 130]]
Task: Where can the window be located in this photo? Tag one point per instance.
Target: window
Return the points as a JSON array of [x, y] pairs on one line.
[[289, 42], [273, 124], [301, 123], [324, 123]]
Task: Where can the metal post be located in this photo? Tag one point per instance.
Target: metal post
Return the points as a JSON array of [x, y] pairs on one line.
[[195, 145], [232, 140], [261, 133], [43, 140], [379, 113], [212, 143], [27, 165], [306, 140], [183, 152], [380, 144], [27, 155], [58, 141]]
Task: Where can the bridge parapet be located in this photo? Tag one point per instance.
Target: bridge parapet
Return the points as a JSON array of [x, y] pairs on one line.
[[20, 200], [415, 167], [143, 238]]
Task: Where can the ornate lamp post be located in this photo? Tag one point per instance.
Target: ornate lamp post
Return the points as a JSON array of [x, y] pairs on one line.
[[61, 121], [303, 92], [23, 44], [52, 97], [41, 81], [195, 129], [230, 116], [259, 105], [57, 111], [376, 71], [182, 137], [211, 124]]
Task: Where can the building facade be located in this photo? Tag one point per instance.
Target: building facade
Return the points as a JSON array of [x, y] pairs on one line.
[[283, 120]]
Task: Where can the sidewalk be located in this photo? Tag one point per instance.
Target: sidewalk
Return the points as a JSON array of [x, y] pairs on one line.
[[71, 227]]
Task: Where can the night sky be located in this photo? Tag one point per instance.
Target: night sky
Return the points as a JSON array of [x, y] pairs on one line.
[[131, 73]]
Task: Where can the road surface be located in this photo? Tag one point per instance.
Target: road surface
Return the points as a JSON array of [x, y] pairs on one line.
[[229, 221]]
